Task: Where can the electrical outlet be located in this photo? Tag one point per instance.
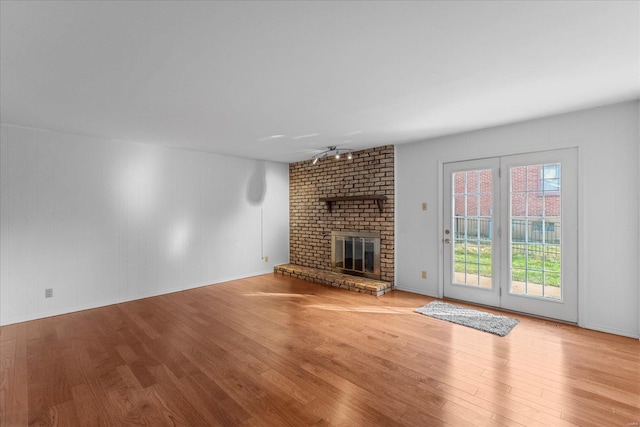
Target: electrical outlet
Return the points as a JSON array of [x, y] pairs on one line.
[[266, 259], [424, 206], [424, 274], [48, 293]]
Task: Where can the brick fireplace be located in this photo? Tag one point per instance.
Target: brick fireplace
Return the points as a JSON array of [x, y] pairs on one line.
[[339, 196]]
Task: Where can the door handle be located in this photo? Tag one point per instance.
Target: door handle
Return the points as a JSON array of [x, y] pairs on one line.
[[446, 240]]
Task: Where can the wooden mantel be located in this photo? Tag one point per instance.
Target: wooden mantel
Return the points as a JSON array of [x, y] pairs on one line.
[[331, 200]]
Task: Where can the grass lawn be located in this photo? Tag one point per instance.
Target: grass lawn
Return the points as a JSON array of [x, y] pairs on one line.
[[542, 262]]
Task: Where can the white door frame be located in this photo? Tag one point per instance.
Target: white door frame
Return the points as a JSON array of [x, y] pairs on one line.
[[575, 223]]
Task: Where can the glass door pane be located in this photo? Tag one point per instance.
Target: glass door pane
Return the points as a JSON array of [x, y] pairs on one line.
[[348, 253], [339, 252], [535, 200], [369, 255], [472, 227], [358, 254]]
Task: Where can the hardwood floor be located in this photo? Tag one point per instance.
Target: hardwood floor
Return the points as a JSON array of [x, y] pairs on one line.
[[273, 351]]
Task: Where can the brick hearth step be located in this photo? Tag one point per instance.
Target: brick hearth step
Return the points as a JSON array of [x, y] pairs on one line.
[[338, 280]]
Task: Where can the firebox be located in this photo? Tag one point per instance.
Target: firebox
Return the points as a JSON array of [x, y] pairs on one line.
[[356, 252]]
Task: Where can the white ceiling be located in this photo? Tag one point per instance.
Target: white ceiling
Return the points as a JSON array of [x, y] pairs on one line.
[[283, 80]]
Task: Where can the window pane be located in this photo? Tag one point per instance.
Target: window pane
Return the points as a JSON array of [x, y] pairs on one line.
[[535, 231], [551, 177], [519, 204], [472, 228]]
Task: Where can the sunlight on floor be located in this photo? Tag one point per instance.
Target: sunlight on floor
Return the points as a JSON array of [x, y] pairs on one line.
[[277, 294], [363, 309]]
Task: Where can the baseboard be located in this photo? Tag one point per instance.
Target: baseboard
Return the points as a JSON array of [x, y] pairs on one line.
[[415, 291], [608, 330], [105, 303]]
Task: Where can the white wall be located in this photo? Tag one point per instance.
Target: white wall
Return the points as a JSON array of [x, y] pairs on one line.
[[104, 221], [608, 143]]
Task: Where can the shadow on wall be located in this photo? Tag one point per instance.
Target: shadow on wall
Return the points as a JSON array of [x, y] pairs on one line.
[[257, 185]]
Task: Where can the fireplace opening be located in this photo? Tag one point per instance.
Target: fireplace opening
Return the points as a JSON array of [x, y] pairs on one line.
[[356, 253]]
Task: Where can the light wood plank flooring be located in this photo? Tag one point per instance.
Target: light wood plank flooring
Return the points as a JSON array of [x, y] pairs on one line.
[[271, 351]]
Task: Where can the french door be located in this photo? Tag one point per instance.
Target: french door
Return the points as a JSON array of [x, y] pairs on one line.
[[471, 252], [510, 237]]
